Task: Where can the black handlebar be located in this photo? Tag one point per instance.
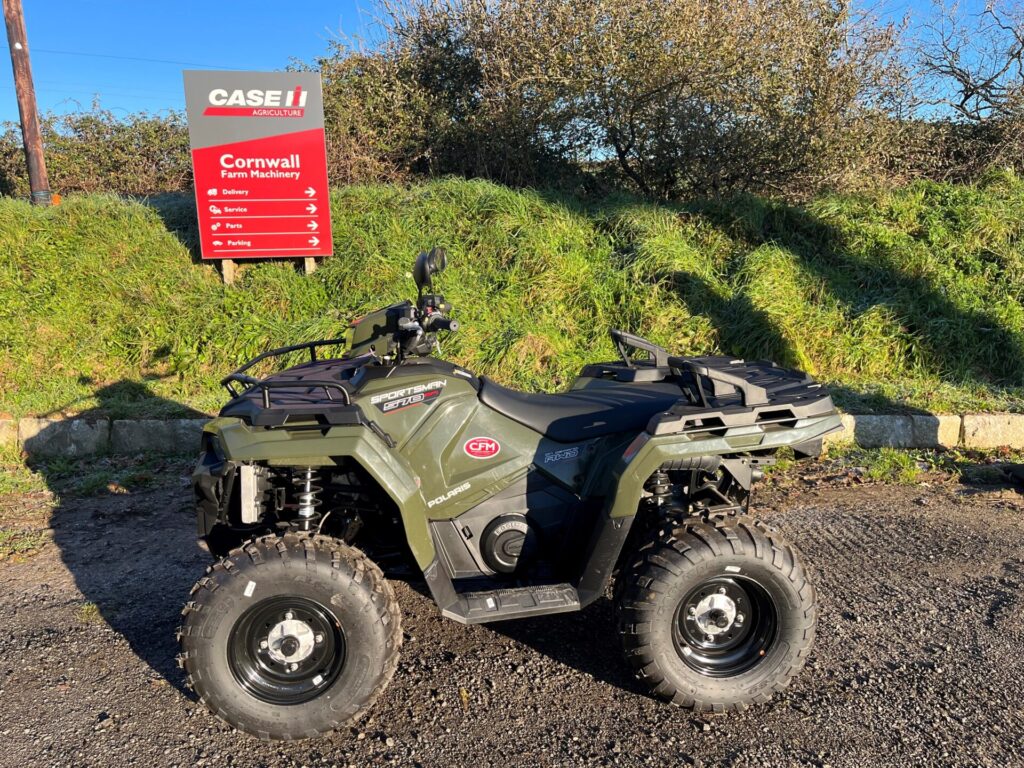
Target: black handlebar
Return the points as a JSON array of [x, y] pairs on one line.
[[430, 324], [440, 323], [417, 335]]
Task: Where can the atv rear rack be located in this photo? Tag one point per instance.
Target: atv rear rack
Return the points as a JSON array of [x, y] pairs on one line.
[[757, 383], [728, 375], [741, 394], [719, 391]]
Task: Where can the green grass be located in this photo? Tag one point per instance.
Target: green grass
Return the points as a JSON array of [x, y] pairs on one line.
[[97, 476], [15, 476], [888, 465], [17, 544], [899, 299], [908, 467], [89, 613], [89, 476]]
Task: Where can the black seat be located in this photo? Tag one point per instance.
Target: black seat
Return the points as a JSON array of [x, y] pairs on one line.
[[581, 414]]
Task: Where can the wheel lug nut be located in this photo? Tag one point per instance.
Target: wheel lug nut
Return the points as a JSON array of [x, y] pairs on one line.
[[292, 667], [264, 644], [721, 590], [289, 616], [709, 638], [739, 618], [319, 637], [691, 611]]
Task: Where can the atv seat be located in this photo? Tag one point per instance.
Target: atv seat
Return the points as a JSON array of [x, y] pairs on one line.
[[581, 414]]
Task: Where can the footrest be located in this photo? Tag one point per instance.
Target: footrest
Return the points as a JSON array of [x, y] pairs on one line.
[[501, 604]]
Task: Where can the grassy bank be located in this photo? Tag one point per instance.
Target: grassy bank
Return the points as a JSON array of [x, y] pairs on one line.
[[900, 299]]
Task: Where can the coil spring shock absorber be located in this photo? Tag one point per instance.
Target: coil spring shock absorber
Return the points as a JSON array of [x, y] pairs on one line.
[[307, 490], [665, 496], [659, 485]]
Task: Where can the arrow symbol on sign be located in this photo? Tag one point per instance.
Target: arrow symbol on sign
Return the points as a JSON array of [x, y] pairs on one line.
[[217, 242], [310, 191], [314, 241], [311, 208], [313, 225]]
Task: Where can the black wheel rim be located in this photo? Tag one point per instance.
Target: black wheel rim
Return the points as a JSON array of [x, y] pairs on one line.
[[286, 650], [725, 626]]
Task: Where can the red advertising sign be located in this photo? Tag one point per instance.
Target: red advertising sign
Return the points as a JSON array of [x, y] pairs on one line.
[[260, 164]]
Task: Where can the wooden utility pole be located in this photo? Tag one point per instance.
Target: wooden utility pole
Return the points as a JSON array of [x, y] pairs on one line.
[[31, 135]]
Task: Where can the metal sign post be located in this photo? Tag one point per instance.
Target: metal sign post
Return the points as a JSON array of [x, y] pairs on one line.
[[260, 165]]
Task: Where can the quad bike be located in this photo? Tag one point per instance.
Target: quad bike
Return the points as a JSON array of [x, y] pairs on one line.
[[315, 478]]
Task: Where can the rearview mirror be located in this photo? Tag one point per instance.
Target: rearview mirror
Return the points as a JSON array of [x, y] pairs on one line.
[[428, 263]]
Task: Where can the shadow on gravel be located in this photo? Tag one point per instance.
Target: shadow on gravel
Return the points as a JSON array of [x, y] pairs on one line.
[[126, 536], [586, 641]]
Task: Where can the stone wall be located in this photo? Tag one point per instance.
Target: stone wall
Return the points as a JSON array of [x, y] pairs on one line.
[[78, 437]]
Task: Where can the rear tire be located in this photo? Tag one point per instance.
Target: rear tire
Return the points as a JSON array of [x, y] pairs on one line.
[[716, 614], [289, 637]]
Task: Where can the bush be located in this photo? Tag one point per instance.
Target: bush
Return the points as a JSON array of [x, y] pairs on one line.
[[372, 118], [673, 98], [96, 151]]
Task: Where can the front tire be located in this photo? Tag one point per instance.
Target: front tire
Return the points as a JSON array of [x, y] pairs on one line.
[[290, 637], [716, 614]]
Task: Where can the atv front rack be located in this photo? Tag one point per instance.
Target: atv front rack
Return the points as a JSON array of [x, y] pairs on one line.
[[238, 375], [312, 395]]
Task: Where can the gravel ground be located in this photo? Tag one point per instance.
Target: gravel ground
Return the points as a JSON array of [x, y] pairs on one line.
[[918, 660]]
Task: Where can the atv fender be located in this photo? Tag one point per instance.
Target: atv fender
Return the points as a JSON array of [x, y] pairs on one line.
[[649, 452], [645, 455], [315, 448]]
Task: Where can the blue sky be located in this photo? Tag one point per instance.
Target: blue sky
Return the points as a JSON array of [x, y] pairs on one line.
[[129, 53], [72, 43]]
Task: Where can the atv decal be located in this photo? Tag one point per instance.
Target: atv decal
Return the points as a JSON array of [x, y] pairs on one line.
[[481, 447], [564, 454], [453, 492], [396, 400]]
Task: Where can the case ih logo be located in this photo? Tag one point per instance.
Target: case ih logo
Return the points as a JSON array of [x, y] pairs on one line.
[[481, 447], [256, 103]]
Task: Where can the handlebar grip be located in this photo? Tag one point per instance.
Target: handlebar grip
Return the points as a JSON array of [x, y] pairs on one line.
[[444, 324]]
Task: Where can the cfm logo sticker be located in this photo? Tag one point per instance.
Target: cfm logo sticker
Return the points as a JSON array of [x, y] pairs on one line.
[[481, 447]]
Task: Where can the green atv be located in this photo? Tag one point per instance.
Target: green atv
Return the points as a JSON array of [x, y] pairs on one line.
[[317, 479]]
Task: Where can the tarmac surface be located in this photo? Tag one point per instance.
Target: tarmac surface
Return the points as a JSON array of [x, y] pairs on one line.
[[918, 659]]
